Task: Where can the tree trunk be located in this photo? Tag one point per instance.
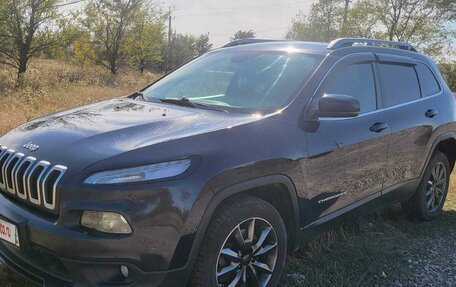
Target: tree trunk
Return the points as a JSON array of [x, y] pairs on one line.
[[22, 69], [113, 69]]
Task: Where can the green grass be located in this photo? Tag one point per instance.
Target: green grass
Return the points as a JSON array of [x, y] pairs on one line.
[[383, 249]]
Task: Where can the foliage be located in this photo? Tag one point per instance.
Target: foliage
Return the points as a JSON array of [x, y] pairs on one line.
[[185, 47], [108, 22], [28, 27], [144, 41], [82, 48], [243, 35], [424, 23], [323, 23], [421, 22], [449, 72]]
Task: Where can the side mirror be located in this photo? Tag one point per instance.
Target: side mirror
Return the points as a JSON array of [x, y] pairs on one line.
[[338, 106]]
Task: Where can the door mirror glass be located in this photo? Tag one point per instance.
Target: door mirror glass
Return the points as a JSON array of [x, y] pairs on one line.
[[338, 106]]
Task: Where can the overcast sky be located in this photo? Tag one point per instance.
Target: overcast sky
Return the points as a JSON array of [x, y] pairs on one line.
[[222, 18]]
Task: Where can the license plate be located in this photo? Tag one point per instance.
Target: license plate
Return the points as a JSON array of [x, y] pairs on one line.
[[9, 233]]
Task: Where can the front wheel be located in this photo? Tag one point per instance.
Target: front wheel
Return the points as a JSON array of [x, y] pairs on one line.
[[245, 245], [428, 201]]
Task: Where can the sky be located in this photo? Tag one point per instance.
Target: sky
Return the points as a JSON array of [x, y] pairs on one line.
[[223, 18]]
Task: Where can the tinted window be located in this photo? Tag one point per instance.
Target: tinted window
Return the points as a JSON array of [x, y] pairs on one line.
[[357, 81], [399, 84], [428, 81]]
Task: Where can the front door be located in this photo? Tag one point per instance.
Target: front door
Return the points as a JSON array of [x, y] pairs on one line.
[[346, 160]]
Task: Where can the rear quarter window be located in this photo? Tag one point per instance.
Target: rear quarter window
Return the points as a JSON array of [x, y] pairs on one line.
[[428, 80], [399, 84]]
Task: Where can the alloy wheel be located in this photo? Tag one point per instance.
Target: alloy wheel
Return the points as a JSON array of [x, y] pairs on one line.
[[249, 255], [436, 187]]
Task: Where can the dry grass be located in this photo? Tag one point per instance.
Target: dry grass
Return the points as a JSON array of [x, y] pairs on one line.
[[52, 86]]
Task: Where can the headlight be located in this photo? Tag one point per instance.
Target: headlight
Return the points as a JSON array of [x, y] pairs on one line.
[[143, 173], [108, 222]]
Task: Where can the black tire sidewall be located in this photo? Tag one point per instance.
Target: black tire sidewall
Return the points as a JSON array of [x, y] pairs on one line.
[[436, 158], [254, 209]]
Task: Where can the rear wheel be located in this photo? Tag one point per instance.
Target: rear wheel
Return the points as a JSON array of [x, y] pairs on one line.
[[428, 201], [245, 245]]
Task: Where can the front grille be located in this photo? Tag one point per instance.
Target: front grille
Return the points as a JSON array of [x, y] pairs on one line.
[[30, 180]]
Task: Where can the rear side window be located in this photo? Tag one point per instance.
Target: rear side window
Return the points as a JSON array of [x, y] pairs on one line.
[[399, 84], [357, 81], [428, 81]]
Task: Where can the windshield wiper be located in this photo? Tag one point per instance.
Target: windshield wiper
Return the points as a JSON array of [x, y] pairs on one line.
[[186, 102], [138, 95]]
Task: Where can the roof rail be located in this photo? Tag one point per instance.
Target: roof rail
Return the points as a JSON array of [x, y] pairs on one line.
[[247, 41], [350, 42]]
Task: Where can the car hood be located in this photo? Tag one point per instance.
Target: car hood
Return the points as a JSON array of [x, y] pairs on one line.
[[89, 134]]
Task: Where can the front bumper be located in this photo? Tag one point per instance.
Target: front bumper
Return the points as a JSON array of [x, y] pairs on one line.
[[100, 274], [54, 254]]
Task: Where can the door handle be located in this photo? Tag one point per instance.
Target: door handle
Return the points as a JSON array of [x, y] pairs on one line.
[[431, 113], [378, 127]]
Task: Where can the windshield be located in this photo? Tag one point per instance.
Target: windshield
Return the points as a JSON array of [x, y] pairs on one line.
[[251, 80]]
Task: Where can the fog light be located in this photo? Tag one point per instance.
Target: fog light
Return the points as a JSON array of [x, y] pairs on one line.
[[124, 270], [108, 222]]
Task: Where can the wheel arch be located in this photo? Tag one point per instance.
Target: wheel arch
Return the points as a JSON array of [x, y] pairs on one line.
[[262, 187], [445, 143]]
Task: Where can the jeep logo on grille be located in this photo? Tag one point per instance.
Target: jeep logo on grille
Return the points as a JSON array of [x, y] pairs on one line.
[[31, 147]]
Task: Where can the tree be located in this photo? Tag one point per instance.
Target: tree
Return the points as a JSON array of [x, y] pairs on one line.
[[243, 35], [28, 27], [108, 22], [82, 49], [423, 23], [361, 22], [202, 45], [185, 47], [144, 41], [322, 24]]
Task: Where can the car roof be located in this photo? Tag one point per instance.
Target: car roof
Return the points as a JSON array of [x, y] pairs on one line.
[[296, 46], [324, 48]]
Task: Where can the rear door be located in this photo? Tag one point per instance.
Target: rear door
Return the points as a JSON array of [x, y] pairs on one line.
[[346, 156], [412, 114]]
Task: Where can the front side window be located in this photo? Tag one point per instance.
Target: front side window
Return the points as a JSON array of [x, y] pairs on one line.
[[399, 84], [428, 81], [238, 79], [357, 81]]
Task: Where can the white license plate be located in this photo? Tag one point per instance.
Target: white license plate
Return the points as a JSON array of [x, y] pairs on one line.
[[9, 233]]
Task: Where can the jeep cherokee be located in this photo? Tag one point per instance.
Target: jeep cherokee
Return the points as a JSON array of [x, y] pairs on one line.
[[212, 174]]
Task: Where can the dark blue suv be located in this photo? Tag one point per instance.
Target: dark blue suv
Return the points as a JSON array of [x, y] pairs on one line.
[[209, 176]]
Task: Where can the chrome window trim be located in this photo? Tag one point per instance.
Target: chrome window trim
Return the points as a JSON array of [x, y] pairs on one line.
[[62, 170], [32, 161], [20, 157], [9, 154], [45, 165]]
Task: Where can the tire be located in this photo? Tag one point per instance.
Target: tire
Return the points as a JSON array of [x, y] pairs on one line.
[[236, 215], [421, 206]]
